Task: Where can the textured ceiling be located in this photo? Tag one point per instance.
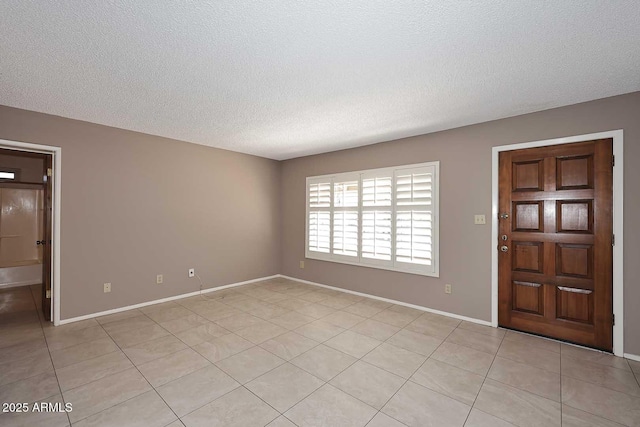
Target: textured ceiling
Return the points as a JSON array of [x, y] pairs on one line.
[[290, 78]]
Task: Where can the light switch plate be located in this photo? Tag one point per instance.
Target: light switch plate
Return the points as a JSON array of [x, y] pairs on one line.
[[479, 219], [107, 288], [301, 264]]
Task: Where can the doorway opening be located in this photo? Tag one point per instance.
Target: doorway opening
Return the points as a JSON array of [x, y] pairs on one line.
[[29, 225]]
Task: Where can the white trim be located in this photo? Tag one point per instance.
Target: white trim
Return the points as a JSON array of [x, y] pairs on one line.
[[618, 196], [158, 301], [56, 152], [392, 301], [632, 357]]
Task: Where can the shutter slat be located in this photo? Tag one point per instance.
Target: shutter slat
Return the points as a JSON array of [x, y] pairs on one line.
[[319, 231], [376, 235], [345, 233], [413, 237]]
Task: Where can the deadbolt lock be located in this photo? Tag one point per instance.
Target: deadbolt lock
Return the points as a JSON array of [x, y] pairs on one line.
[[504, 248], [504, 237], [504, 215]]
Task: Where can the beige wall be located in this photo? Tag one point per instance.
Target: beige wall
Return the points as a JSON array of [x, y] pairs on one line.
[[30, 168], [135, 205], [465, 190]]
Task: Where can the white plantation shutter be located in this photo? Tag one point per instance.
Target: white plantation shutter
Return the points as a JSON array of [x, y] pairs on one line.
[[413, 237], [345, 233], [376, 234], [376, 191], [320, 195], [345, 217], [345, 194], [414, 216], [414, 188], [382, 218], [319, 231], [319, 216]]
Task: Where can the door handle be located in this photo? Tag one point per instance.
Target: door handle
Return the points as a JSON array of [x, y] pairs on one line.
[[504, 248]]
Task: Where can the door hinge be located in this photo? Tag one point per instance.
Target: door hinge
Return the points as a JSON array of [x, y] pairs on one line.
[[49, 172], [613, 240], [613, 161], [614, 319], [48, 294]]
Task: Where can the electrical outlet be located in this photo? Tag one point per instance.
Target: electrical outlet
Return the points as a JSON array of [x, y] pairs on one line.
[[447, 288], [159, 279], [192, 272], [479, 220], [301, 264], [107, 288]]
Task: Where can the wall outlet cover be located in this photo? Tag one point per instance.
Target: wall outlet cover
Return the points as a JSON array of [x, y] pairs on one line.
[[447, 289], [301, 264], [159, 279], [479, 219]]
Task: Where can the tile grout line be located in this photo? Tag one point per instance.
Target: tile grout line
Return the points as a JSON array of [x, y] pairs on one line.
[[414, 371], [244, 385], [485, 379], [324, 382], [356, 359], [561, 404], [485, 376], [145, 378], [50, 358], [222, 370], [342, 309]]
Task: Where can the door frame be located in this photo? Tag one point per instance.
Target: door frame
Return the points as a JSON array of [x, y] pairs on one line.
[[56, 153], [618, 258]]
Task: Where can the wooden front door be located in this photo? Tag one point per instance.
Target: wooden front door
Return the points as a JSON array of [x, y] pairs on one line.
[[555, 242]]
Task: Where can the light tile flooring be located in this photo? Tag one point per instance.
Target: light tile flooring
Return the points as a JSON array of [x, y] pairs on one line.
[[282, 353]]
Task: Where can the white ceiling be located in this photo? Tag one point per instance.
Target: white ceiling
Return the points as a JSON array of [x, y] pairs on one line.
[[289, 78]]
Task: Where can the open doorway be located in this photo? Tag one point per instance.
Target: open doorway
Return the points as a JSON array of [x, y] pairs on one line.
[[26, 212]]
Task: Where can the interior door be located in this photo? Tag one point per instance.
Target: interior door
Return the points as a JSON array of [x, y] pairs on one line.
[[555, 241], [47, 240]]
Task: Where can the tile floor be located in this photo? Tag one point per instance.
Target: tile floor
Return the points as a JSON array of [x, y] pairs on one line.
[[282, 353]]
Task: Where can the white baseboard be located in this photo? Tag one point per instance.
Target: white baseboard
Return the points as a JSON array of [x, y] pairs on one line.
[[158, 301], [18, 284], [417, 307], [632, 357]]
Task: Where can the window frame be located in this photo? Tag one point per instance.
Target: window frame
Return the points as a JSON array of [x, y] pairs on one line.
[[360, 261]]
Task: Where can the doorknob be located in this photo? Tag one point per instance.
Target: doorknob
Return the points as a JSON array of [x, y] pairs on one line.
[[504, 248]]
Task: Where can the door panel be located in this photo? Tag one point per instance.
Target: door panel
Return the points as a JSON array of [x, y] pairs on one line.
[[555, 277]]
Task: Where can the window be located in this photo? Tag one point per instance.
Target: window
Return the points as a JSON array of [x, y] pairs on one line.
[[381, 218]]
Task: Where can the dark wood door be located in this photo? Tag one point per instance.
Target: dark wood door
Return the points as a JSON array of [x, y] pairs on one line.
[[47, 240], [555, 242]]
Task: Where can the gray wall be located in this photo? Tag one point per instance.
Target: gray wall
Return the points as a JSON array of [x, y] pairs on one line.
[[465, 190], [135, 205]]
